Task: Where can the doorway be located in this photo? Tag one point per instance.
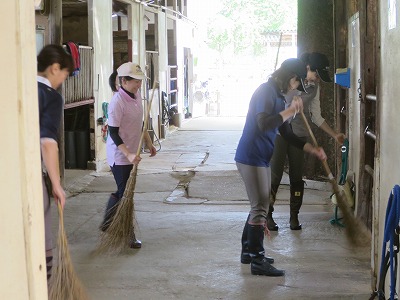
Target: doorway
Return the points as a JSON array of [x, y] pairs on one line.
[[122, 52]]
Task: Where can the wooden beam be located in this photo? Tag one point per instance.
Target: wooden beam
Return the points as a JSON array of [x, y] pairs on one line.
[[55, 20]]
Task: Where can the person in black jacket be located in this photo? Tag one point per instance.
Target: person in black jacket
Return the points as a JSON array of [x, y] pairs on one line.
[[54, 64]]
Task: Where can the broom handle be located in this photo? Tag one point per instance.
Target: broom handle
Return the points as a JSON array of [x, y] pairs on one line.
[[354, 229], [146, 119], [324, 162]]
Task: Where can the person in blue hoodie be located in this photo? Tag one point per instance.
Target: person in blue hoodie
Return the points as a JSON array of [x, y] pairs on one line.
[[266, 115]]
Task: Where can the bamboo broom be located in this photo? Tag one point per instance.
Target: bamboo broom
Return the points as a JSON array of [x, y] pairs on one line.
[[64, 283], [117, 236], [356, 231]]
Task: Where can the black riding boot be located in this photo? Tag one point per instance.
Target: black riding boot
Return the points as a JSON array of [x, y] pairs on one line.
[[245, 257], [272, 226], [296, 200], [259, 263], [110, 211]]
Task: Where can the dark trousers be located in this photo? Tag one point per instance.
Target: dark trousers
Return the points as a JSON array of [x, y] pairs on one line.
[[283, 149], [121, 175]]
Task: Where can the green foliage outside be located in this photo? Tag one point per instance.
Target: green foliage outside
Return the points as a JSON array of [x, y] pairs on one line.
[[240, 25]]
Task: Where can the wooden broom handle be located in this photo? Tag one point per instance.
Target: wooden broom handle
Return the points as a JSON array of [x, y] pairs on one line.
[[146, 119], [324, 162]]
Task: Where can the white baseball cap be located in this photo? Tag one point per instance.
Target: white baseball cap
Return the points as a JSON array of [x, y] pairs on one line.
[[131, 70]]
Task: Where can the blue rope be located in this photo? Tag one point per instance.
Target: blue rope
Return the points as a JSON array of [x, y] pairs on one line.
[[391, 226]]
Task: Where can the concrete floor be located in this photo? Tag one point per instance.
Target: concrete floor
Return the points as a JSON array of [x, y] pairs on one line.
[[191, 243]]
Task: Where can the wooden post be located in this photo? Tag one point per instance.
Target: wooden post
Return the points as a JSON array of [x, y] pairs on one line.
[[55, 22]]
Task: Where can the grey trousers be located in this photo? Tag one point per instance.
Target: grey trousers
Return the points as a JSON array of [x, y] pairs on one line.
[[257, 181], [47, 218]]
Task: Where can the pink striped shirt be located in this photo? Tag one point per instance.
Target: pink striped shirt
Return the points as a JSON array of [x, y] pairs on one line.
[[127, 114]]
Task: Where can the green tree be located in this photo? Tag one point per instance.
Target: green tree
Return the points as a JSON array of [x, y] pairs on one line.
[[241, 24]]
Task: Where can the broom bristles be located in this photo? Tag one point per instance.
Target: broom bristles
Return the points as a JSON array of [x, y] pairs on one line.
[[357, 233], [64, 283], [117, 236]]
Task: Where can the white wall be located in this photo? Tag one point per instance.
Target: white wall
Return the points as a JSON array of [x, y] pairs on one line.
[[389, 105], [354, 107], [184, 39], [137, 33], [100, 38], [22, 259], [163, 50], [388, 162]]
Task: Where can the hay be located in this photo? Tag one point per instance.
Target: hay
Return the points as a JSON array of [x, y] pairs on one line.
[[64, 283]]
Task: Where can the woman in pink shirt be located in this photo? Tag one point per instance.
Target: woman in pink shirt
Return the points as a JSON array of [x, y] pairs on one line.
[[125, 121]]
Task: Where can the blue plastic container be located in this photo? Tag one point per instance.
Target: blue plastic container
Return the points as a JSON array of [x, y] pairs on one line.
[[342, 77]]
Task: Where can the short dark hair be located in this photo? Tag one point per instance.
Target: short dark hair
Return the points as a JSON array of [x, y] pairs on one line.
[[52, 54], [111, 81]]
